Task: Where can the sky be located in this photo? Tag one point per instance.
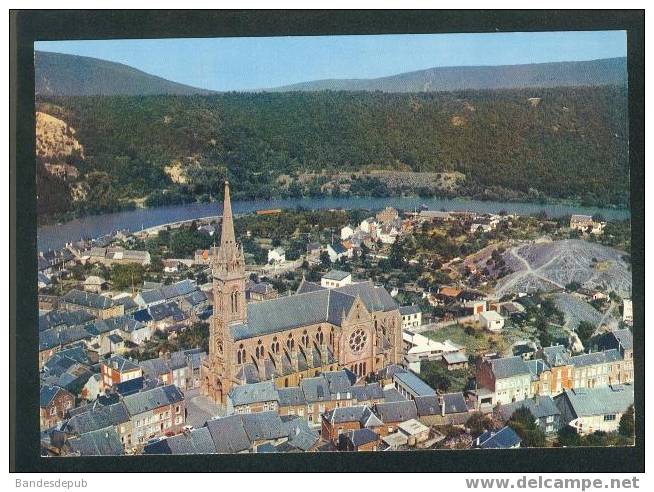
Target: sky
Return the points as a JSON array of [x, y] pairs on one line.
[[225, 64]]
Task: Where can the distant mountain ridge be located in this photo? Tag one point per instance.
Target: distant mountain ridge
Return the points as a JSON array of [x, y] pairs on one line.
[[608, 71], [57, 74]]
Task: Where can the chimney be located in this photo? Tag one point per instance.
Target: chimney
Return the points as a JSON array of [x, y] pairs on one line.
[[441, 403]]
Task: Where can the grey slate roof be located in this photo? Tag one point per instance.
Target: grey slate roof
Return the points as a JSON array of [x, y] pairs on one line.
[[248, 394], [228, 434], [166, 292], [359, 413], [539, 406], [61, 335], [153, 398], [414, 383], [98, 417], [372, 391], [309, 308], [359, 437], [603, 357], [455, 357], [505, 438], [618, 339], [291, 396], [120, 363], [263, 426], [315, 389], [101, 442], [197, 441], [508, 367], [47, 394], [556, 355], [407, 310], [336, 275], [88, 299], [600, 401], [396, 411], [68, 318]]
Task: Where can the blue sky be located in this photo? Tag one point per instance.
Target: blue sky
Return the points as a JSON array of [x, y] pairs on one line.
[[255, 63]]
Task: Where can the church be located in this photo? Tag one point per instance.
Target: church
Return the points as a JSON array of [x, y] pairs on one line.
[[355, 326]]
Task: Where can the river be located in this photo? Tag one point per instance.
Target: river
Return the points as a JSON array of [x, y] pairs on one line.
[[55, 236]]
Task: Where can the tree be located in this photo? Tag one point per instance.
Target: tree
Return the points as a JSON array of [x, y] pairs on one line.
[[585, 331], [325, 261], [568, 437], [126, 276], [524, 424], [478, 423], [627, 424]]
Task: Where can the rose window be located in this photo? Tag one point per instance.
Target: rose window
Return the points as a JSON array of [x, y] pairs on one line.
[[358, 340]]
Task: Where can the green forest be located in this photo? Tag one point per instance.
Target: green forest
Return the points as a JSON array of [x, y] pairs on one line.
[[564, 143]]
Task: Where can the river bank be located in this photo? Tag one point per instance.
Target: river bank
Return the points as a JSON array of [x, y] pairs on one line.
[[55, 236]]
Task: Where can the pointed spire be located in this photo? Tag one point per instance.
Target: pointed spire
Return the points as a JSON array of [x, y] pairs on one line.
[[227, 234]]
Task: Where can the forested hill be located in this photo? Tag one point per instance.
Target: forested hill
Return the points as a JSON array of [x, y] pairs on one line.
[[520, 144], [70, 75], [610, 71]]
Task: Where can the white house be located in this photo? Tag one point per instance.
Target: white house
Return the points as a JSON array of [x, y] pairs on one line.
[[492, 321], [336, 278], [588, 410], [418, 347], [336, 252], [277, 255], [411, 316], [346, 232], [627, 311]]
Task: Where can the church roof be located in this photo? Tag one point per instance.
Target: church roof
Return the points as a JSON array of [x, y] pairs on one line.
[[308, 308]]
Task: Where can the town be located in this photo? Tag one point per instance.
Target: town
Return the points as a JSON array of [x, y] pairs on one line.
[[338, 330]]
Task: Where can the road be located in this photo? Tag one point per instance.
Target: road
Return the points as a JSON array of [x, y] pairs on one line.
[[199, 408]]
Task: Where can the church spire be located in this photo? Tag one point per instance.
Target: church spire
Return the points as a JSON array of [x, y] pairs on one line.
[[227, 237]]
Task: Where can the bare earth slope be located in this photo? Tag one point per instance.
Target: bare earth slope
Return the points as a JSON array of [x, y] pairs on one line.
[[550, 266]]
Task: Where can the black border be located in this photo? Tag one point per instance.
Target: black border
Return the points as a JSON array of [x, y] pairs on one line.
[[28, 26]]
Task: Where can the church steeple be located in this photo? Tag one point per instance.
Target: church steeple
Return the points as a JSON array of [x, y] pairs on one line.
[[227, 235]]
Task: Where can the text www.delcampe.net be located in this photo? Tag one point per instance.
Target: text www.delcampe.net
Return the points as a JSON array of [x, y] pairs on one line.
[[552, 483]]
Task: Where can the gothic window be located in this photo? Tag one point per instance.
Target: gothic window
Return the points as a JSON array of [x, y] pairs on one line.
[[240, 355], [259, 350], [358, 340], [319, 336], [305, 338], [274, 347], [290, 343], [331, 337]]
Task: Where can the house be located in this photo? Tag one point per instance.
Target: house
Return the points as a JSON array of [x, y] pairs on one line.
[[94, 416], [415, 431], [43, 281], [505, 438], [627, 312], [343, 419], [313, 250], [585, 223], [251, 398], [261, 291], [588, 410], [165, 293], [418, 348], [100, 306], [336, 251], [455, 361], [95, 284], [124, 298], [201, 257], [394, 413], [156, 412], [346, 232], [228, 434], [264, 427], [118, 369], [552, 374], [492, 321], [411, 386], [359, 440], [444, 409], [599, 369], [118, 255], [172, 266], [411, 316], [181, 368], [475, 307], [101, 442], [389, 214], [622, 341], [448, 294], [543, 408], [477, 227], [336, 278], [194, 441], [276, 255], [508, 379], [57, 338], [55, 402]]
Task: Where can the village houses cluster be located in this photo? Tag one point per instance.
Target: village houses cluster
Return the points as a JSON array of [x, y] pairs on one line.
[[334, 367]]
